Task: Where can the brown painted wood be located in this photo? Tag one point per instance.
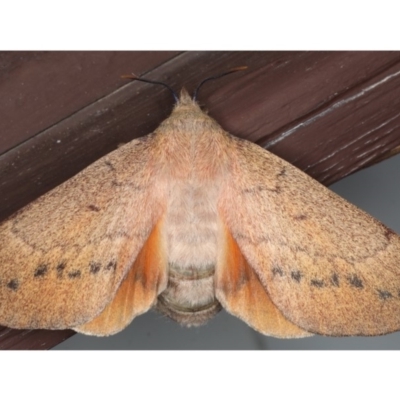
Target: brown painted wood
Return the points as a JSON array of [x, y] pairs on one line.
[[329, 113], [40, 339], [385, 156], [39, 89]]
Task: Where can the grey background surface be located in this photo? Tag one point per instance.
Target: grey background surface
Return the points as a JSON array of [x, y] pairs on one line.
[[375, 190]]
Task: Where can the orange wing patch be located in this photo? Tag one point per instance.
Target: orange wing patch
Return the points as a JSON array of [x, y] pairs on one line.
[[240, 292], [138, 291]]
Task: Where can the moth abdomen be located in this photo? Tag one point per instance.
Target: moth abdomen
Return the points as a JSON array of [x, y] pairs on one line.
[[188, 317], [189, 297]]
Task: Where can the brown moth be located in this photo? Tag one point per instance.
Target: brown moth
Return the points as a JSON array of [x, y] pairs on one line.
[[190, 219]]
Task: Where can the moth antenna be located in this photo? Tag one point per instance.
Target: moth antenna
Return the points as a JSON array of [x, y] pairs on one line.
[[136, 78], [236, 69]]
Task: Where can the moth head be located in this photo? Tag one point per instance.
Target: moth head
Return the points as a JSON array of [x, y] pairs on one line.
[[185, 102]]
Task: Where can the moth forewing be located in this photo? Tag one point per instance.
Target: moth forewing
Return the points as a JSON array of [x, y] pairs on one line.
[[64, 256], [329, 267]]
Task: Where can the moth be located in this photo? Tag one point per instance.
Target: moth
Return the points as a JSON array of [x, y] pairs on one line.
[[189, 220]]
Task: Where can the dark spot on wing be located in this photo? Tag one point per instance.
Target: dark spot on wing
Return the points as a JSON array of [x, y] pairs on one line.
[[277, 271], [60, 268], [74, 274], [94, 267], [13, 284], [109, 165], [296, 276], [41, 270], [384, 294], [261, 188], [300, 217], [283, 172], [111, 265], [92, 207], [389, 233], [130, 185], [117, 234], [319, 283], [335, 280], [355, 281]]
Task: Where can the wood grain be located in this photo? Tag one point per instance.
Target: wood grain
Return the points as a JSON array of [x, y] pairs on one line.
[[39, 89]]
